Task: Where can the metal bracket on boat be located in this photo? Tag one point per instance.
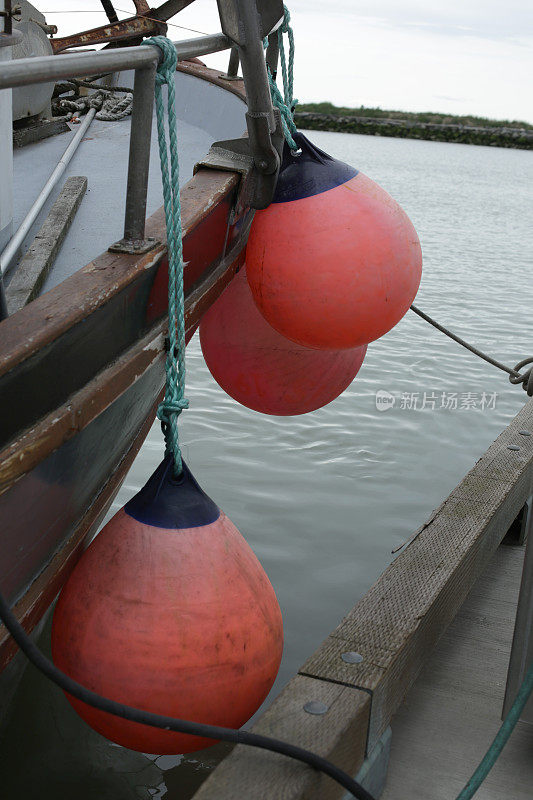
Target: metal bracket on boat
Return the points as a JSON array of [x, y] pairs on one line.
[[235, 155], [233, 66], [134, 246], [246, 24], [134, 240]]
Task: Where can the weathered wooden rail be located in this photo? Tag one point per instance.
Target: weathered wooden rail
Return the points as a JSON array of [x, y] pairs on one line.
[[394, 627]]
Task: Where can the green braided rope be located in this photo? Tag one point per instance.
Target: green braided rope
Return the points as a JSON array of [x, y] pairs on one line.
[[287, 72], [285, 102], [174, 401]]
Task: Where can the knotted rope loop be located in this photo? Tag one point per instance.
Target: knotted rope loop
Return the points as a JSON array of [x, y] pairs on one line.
[[168, 407], [515, 376], [525, 378], [167, 67], [174, 402]]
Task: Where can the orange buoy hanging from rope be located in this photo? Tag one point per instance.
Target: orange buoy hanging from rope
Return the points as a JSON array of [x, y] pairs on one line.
[[263, 370], [169, 611], [333, 262]]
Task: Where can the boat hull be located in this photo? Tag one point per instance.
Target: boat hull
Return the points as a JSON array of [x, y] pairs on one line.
[[81, 373]]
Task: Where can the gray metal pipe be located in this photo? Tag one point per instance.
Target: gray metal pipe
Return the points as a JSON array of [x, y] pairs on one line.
[[253, 64], [233, 66], [46, 69], [18, 238]]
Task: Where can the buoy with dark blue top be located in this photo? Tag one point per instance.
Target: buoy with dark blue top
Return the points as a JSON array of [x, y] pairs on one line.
[[334, 262], [169, 611]]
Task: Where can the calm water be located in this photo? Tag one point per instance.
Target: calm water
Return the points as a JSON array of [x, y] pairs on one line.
[[322, 499]]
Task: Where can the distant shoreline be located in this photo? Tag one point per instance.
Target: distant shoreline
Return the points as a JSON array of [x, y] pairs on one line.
[[509, 135]]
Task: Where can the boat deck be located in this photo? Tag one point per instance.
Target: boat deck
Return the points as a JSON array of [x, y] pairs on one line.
[[206, 112], [453, 711]]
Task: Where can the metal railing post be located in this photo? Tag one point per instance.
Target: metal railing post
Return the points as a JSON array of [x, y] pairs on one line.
[[522, 647], [233, 66], [245, 23], [260, 115], [134, 240], [8, 38]]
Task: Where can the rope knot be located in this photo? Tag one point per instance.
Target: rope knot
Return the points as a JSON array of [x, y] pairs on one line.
[[167, 68], [168, 407], [525, 378]]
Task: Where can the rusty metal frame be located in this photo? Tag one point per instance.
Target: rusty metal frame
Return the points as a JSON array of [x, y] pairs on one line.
[[146, 22]]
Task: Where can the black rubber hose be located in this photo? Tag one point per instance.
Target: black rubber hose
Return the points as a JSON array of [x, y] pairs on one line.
[[39, 660]]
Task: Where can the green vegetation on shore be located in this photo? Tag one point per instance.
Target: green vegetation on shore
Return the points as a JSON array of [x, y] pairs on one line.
[[412, 116], [415, 125]]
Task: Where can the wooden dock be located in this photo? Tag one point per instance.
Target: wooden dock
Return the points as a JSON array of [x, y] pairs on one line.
[[453, 711], [362, 673]]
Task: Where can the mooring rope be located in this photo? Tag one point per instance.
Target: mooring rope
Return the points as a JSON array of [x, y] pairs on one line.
[[174, 401], [515, 376], [285, 102]]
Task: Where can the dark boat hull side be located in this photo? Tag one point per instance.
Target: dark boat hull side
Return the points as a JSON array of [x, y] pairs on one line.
[[81, 372], [70, 539], [44, 506]]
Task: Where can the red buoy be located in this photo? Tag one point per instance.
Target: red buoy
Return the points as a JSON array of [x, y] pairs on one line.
[[333, 262], [263, 370], [169, 611]]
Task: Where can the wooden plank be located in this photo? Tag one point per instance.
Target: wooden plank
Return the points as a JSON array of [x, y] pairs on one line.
[[453, 711], [399, 621], [42, 129], [339, 735], [35, 265]]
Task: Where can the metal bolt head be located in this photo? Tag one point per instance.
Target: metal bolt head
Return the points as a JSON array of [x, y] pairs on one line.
[[524, 433], [315, 707], [351, 657], [512, 447]]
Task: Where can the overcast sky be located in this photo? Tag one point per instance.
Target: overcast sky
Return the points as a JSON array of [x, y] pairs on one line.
[[458, 56]]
